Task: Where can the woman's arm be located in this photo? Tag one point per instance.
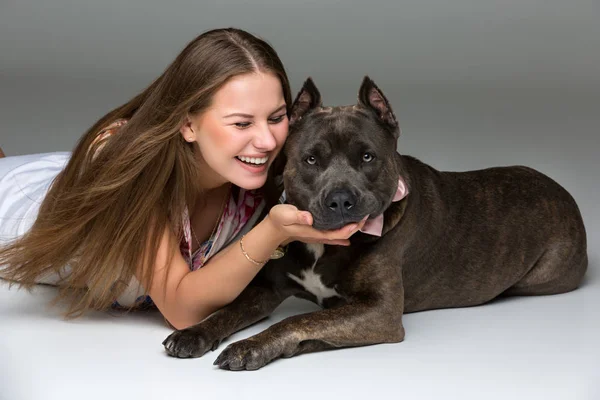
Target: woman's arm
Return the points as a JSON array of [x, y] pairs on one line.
[[191, 296], [186, 297]]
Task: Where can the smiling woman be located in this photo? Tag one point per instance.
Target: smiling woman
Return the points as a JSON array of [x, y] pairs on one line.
[[242, 131], [151, 207]]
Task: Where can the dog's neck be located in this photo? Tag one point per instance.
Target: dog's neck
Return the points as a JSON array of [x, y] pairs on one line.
[[393, 215], [374, 226]]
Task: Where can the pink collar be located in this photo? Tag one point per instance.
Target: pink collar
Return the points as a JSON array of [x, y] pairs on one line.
[[375, 226]]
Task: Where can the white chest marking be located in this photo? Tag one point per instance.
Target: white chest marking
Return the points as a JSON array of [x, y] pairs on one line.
[[311, 280], [317, 249]]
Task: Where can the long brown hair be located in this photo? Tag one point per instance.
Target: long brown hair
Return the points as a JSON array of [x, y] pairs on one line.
[[104, 215]]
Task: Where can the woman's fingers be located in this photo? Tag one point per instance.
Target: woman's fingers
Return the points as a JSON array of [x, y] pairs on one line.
[[286, 215], [346, 231], [337, 242], [305, 218], [339, 236], [297, 225]]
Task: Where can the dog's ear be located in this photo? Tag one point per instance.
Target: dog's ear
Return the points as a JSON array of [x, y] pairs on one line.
[[372, 97], [307, 99]]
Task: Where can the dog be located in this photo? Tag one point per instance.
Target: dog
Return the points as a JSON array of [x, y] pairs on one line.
[[432, 240]]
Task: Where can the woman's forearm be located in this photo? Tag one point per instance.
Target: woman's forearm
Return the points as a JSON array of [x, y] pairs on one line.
[[226, 274], [192, 296]]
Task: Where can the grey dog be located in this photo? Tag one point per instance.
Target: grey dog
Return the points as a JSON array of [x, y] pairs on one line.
[[436, 239]]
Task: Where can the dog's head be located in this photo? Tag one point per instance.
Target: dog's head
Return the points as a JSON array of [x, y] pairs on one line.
[[341, 161]]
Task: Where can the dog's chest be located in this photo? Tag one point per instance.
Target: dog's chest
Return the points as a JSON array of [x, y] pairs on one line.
[[318, 278]]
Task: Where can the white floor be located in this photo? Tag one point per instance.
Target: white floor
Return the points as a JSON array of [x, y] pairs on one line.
[[519, 348], [528, 348]]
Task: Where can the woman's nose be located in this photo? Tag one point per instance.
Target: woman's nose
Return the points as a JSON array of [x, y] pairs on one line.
[[264, 139]]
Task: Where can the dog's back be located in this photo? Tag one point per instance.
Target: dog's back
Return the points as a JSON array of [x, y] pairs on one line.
[[510, 230]]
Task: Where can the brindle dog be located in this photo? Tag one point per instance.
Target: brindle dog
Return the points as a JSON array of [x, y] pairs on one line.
[[453, 239]]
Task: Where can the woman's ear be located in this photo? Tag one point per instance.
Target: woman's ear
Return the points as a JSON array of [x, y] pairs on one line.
[[187, 130]]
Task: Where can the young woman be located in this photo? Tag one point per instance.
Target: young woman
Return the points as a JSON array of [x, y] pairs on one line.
[[160, 201]]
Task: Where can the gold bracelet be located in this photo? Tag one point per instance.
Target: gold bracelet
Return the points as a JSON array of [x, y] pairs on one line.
[[252, 260]]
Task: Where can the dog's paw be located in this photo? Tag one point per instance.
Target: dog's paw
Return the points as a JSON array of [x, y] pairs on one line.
[[246, 354], [189, 343]]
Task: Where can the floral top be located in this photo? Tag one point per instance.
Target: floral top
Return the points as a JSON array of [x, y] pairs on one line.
[[241, 211], [241, 207]]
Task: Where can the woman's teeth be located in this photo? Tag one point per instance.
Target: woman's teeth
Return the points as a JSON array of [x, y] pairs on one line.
[[253, 160]]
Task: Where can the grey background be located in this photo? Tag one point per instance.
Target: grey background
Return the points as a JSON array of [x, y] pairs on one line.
[[473, 83]]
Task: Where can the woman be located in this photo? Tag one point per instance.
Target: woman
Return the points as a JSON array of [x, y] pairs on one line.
[[162, 196]]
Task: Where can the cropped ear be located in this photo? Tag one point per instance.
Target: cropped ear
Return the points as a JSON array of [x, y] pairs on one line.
[[372, 97], [307, 99]]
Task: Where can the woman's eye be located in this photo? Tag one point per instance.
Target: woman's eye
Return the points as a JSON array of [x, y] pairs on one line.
[[276, 120], [311, 160], [242, 124], [368, 157]]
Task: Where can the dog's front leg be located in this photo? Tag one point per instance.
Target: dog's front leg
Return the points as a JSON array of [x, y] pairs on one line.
[[252, 305], [349, 325]]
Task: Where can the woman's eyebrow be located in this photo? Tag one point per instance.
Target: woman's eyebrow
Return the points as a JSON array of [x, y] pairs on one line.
[[239, 115], [282, 107]]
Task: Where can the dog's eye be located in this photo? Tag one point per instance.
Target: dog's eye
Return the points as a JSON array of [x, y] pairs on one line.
[[312, 160], [368, 157]]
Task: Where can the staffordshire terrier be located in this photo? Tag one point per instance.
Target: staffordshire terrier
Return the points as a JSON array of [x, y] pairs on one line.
[[433, 239]]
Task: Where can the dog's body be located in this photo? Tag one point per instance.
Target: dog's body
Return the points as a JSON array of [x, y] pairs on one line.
[[455, 240]]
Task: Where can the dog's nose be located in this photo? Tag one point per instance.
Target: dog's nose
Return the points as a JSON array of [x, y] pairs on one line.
[[340, 201]]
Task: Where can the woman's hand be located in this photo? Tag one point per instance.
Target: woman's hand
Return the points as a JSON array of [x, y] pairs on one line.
[[292, 224]]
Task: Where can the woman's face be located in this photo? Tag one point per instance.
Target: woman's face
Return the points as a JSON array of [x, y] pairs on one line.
[[242, 131]]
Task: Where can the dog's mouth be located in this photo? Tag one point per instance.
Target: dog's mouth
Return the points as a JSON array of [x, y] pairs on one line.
[[327, 219], [323, 224], [324, 219]]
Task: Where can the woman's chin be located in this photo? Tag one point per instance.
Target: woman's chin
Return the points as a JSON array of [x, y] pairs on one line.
[[250, 183]]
